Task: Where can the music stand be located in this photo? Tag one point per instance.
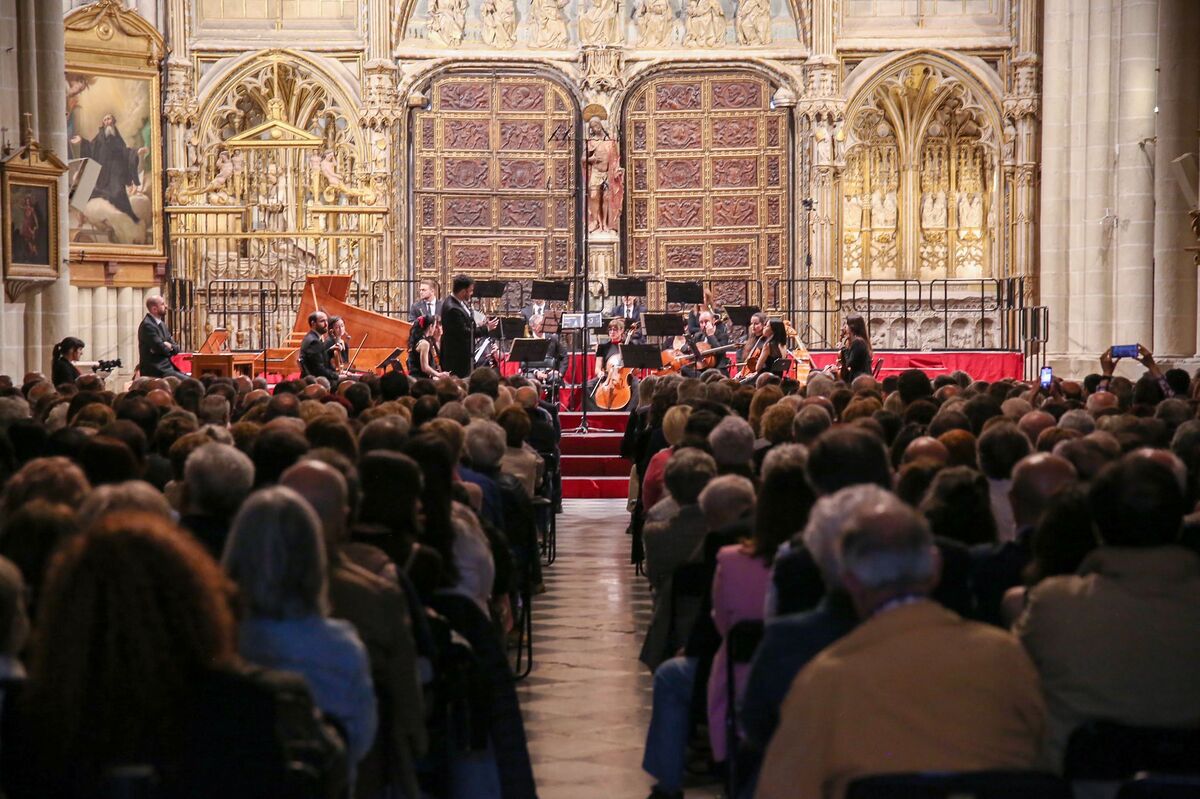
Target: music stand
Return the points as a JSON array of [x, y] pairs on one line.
[[663, 324], [552, 290], [394, 360], [626, 287], [512, 327], [739, 315], [551, 322], [688, 292], [487, 289], [641, 356], [575, 321], [525, 350]]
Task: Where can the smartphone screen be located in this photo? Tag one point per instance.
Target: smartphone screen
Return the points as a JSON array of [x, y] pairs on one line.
[[1047, 376], [1125, 351]]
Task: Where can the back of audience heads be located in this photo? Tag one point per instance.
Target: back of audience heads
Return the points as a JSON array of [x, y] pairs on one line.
[[994, 488]]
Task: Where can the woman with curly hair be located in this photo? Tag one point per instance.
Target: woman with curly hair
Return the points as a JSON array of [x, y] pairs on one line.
[[134, 663]]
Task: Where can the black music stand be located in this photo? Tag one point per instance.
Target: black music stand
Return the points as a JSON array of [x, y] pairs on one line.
[[663, 324], [394, 360], [511, 327], [626, 287], [740, 315], [689, 292], [641, 356], [487, 289], [552, 290], [525, 350]]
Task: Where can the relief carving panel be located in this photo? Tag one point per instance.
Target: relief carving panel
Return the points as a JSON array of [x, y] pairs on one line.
[[735, 212], [737, 94], [680, 134], [522, 213], [465, 96], [522, 97], [731, 256], [684, 257], [466, 134], [466, 173], [522, 173], [520, 259], [472, 257], [678, 173], [737, 132], [521, 135], [677, 97], [735, 172], [468, 212], [680, 212]]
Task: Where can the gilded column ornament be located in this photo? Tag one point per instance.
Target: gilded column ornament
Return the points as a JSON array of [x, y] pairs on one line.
[[381, 101], [603, 68], [753, 22], [657, 24], [550, 24], [447, 22], [603, 172], [601, 24], [705, 25], [499, 19]]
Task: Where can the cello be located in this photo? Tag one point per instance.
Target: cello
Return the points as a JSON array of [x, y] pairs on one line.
[[615, 390]]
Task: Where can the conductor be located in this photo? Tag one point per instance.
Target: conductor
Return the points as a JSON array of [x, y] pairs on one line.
[[155, 344], [458, 327]]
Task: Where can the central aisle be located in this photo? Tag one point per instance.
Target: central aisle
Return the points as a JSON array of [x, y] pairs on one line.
[[587, 703]]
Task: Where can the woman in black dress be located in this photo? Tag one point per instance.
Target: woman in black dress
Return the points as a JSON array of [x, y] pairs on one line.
[[424, 355], [856, 351], [65, 353]]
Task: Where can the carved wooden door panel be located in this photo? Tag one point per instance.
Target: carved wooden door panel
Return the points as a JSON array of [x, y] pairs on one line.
[[708, 182], [494, 179]]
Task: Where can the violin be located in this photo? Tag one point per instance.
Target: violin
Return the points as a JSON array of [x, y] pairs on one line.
[[673, 360]]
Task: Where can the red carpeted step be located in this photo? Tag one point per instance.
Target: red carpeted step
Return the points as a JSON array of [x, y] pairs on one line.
[[594, 466], [596, 487], [599, 420], [591, 444]]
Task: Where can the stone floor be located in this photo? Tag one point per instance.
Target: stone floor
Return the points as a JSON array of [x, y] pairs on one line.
[[587, 703]]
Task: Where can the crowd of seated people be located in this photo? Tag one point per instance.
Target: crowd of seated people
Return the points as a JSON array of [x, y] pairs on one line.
[[212, 589], [941, 575]]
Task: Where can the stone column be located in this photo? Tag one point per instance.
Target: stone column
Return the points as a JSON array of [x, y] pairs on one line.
[[1175, 309], [1134, 190], [52, 125]]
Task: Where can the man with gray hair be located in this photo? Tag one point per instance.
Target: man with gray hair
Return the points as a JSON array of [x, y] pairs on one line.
[[217, 478], [914, 687]]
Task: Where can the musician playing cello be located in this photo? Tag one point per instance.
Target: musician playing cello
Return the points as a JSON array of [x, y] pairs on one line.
[[608, 362]]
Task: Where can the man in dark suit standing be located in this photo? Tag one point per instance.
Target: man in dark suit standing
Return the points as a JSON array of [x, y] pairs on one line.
[[314, 350], [533, 308], [155, 344], [458, 328], [630, 310], [427, 304]]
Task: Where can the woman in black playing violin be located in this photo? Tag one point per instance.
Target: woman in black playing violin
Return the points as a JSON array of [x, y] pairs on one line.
[[856, 354], [424, 357]]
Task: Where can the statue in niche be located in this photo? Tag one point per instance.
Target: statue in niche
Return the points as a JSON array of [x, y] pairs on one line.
[[550, 24], [753, 22], [600, 24], [499, 19], [933, 210], [823, 135], [839, 140], [852, 211], [604, 174], [883, 210], [447, 22], [970, 212], [1010, 141], [656, 24], [705, 25]]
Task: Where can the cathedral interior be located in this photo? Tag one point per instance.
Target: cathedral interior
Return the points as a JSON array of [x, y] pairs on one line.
[[968, 174]]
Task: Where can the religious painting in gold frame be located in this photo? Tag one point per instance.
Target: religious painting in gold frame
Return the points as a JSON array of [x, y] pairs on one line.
[[29, 193], [114, 134]]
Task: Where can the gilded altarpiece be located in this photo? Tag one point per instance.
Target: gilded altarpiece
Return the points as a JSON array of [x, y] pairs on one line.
[[920, 184], [494, 179], [707, 183]]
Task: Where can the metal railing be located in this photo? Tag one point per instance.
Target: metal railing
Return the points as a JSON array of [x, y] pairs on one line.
[[248, 308]]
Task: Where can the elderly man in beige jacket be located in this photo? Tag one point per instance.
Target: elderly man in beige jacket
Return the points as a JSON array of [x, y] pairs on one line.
[[913, 688]]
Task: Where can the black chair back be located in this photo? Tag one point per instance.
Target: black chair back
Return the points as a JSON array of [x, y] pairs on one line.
[[961, 785], [1106, 751], [740, 644]]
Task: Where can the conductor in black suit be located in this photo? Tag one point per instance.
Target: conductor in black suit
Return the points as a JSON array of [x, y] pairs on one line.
[[458, 327], [427, 303], [314, 349], [155, 344]]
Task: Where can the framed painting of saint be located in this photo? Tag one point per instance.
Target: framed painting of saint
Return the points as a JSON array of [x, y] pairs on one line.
[[29, 193]]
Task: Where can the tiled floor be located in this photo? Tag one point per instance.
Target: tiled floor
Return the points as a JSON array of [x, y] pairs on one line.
[[587, 702]]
